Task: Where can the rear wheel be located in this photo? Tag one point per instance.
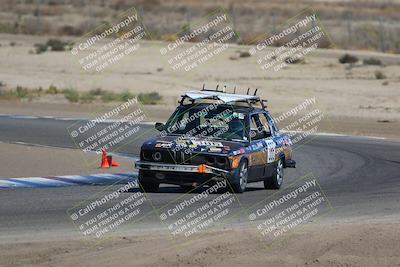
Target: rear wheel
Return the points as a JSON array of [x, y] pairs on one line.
[[275, 181], [241, 182], [146, 185]]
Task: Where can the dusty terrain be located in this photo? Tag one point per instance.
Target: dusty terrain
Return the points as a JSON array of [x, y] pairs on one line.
[[371, 102], [327, 244]]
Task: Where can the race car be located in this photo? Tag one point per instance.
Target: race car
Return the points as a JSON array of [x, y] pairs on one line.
[[214, 136]]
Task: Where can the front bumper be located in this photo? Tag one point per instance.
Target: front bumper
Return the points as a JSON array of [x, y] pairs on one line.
[[166, 167], [181, 174]]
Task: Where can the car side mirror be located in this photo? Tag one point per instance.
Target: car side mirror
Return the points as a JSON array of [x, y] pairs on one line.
[[159, 126]]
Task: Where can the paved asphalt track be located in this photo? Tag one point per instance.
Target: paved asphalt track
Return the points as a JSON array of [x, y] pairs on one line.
[[359, 176]]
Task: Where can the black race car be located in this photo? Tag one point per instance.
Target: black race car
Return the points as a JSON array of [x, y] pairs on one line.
[[215, 137]]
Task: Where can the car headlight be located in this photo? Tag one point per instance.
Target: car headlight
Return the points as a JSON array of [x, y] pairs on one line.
[[235, 160], [157, 156]]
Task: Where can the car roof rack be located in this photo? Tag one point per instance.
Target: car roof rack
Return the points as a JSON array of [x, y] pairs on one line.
[[221, 95]]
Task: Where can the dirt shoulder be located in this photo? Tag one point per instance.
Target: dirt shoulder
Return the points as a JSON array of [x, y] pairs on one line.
[[33, 161], [307, 245]]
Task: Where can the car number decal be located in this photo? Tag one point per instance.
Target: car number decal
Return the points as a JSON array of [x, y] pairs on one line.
[[270, 150]]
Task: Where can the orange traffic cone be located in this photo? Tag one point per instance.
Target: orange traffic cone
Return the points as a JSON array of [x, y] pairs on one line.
[[104, 160], [115, 164]]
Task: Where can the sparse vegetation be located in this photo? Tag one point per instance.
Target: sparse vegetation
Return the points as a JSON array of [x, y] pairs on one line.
[[56, 45], [52, 90], [379, 75], [53, 45], [149, 98], [351, 24], [40, 48], [21, 92], [346, 58], [72, 95], [244, 54], [294, 60], [87, 97], [372, 61]]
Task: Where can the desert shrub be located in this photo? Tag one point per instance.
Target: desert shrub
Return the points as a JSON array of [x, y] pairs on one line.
[[40, 48], [379, 75], [294, 60], [52, 90], [126, 95], [244, 54], [149, 98], [87, 97], [109, 96], [21, 92], [372, 61], [97, 91], [56, 44], [72, 95], [346, 58], [169, 37]]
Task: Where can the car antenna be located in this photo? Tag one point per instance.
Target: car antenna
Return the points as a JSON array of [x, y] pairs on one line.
[[203, 86], [248, 90], [255, 92]]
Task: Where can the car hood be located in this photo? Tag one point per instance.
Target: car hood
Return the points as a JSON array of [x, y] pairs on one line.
[[195, 145]]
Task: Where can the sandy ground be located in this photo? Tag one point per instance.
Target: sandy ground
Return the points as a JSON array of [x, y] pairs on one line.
[[351, 99], [340, 90], [32, 161], [367, 244]]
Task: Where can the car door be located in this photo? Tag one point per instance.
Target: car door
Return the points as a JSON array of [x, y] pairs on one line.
[[282, 140], [271, 142], [258, 155]]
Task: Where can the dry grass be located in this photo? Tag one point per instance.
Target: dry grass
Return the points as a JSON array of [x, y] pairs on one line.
[[353, 24]]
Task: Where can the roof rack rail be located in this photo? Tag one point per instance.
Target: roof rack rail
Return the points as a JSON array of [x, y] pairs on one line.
[[221, 95]]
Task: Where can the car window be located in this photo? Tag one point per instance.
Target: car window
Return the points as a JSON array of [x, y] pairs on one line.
[[271, 122], [209, 121], [253, 123], [265, 124]]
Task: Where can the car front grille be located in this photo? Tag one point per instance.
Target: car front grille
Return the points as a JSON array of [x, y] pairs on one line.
[[180, 157]]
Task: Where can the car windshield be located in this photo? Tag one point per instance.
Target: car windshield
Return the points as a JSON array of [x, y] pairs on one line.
[[208, 121]]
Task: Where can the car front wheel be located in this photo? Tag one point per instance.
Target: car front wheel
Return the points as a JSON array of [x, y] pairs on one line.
[[275, 181], [241, 182], [146, 185]]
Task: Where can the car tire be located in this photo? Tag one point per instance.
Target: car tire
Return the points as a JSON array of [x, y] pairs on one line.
[[275, 181], [147, 186], [239, 186]]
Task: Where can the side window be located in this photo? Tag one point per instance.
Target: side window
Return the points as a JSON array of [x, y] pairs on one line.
[[253, 122], [267, 127], [257, 130], [271, 122]]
